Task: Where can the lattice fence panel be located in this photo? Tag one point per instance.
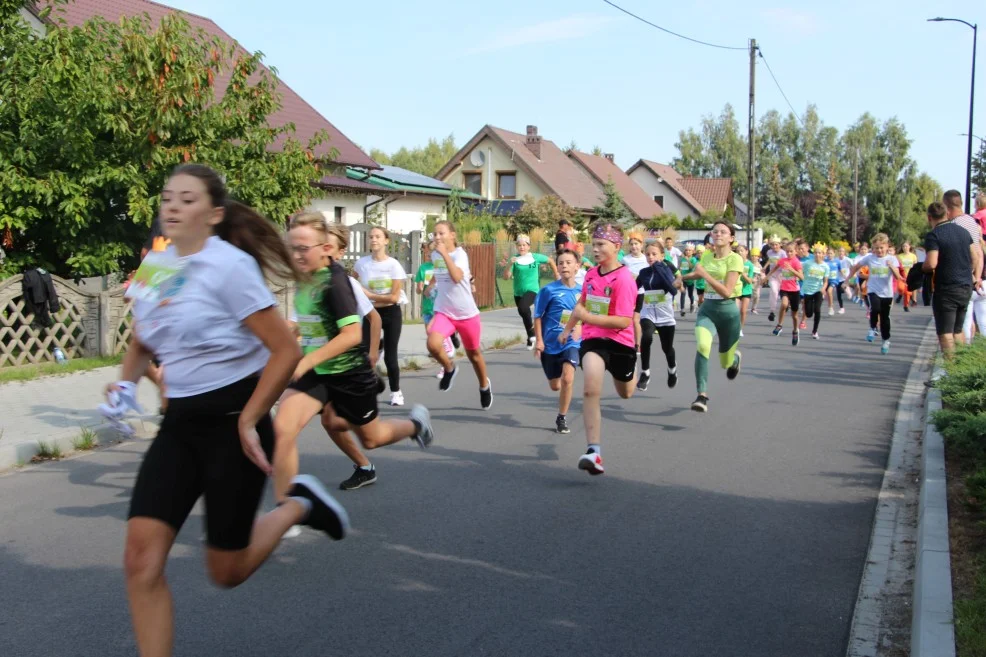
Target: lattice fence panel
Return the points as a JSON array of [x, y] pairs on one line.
[[20, 343], [124, 330]]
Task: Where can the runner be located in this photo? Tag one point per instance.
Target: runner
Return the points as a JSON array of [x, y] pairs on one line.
[[884, 269], [456, 312], [773, 274], [424, 281], [605, 309], [671, 252], [525, 270], [687, 265], [907, 260], [757, 279], [804, 255], [382, 278], [816, 273], [789, 271], [862, 297], [720, 267], [747, 276], [635, 260], [227, 355], [656, 287], [700, 283], [552, 310]]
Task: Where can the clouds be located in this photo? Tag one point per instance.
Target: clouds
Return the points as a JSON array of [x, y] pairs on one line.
[[792, 20], [577, 26]]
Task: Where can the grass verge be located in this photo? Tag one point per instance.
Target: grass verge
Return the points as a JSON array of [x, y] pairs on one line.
[[962, 423], [47, 452], [31, 372], [85, 441], [504, 343]]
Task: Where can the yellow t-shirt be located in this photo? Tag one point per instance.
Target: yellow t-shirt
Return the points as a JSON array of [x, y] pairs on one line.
[[718, 268]]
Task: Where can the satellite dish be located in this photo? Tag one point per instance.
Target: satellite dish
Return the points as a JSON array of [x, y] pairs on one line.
[[478, 158]]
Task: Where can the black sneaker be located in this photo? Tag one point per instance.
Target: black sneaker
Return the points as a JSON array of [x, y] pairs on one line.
[[701, 404], [643, 381], [486, 396], [906, 309], [795, 338], [455, 340], [672, 378], [359, 479], [734, 369], [326, 514], [447, 378], [420, 416], [771, 317], [561, 425]]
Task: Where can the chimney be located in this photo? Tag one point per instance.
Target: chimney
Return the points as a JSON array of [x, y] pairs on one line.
[[533, 141], [608, 156]]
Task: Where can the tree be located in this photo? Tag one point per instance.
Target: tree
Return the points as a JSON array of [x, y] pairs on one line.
[[831, 204], [93, 119], [544, 212], [613, 210], [774, 204], [719, 152], [820, 229], [979, 168], [426, 160]]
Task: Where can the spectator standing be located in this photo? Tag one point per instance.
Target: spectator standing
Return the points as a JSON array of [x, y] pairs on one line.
[[980, 213], [564, 235], [952, 256]]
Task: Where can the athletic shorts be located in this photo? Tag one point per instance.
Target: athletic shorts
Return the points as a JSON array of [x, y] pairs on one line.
[[353, 395], [793, 298], [949, 306], [746, 296], [469, 330], [621, 360], [553, 364], [197, 452]]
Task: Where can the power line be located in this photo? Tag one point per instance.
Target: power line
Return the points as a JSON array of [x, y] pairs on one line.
[[664, 29], [793, 111]]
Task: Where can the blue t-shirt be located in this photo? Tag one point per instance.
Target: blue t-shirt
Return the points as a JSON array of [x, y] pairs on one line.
[[815, 273], [833, 264], [553, 306], [804, 263]]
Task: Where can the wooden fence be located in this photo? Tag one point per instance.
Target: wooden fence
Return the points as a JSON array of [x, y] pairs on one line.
[[482, 264]]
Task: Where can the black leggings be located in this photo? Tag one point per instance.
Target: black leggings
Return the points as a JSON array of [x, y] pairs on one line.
[[880, 310], [391, 321], [690, 289], [813, 308], [524, 304], [837, 292], [666, 333]]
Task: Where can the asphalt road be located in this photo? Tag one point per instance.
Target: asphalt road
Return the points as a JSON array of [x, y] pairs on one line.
[[739, 532]]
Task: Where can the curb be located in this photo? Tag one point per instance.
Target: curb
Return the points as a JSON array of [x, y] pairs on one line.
[[21, 453], [932, 631]]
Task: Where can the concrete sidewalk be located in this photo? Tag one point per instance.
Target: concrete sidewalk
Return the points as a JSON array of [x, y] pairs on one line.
[[55, 409]]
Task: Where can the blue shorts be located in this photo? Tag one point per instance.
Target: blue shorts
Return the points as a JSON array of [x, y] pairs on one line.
[[552, 364]]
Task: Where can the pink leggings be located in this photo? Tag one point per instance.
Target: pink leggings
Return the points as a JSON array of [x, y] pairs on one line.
[[469, 330]]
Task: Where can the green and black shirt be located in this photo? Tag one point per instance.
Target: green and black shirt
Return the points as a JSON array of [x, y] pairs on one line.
[[324, 306]]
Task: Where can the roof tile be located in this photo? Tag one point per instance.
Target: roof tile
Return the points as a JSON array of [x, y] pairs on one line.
[[603, 169], [714, 194]]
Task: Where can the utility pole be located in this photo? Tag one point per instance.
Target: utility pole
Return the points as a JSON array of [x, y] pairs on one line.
[[855, 195], [752, 200]]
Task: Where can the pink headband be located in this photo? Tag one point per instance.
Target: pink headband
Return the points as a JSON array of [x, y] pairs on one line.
[[609, 233]]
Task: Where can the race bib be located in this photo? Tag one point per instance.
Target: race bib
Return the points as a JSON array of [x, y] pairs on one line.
[[789, 273], [654, 298], [879, 270], [565, 316], [597, 305], [429, 275], [712, 294], [159, 277], [312, 331], [380, 285]]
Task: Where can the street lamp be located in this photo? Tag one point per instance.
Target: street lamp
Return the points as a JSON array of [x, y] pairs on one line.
[[972, 93], [963, 134]]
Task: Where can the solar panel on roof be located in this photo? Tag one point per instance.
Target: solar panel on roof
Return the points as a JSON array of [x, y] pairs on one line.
[[405, 177]]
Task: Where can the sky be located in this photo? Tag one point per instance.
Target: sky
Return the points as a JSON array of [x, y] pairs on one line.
[[392, 73]]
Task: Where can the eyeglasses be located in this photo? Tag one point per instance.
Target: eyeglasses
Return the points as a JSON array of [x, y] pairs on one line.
[[303, 250]]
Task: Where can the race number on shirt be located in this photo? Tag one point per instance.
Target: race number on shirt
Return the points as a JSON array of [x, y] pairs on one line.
[[655, 298], [159, 277], [311, 330], [565, 316], [597, 305], [380, 285]]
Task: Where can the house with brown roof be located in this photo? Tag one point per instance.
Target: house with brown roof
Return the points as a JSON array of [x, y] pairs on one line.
[[602, 169], [685, 196], [500, 165]]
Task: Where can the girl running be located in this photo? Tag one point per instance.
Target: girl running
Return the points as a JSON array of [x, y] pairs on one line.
[[525, 270], [635, 260], [757, 279], [382, 278], [884, 269], [720, 267], [700, 282], [656, 287], [552, 310], [605, 309], [907, 259], [227, 355], [816, 273], [456, 312], [774, 275], [424, 281], [789, 271], [748, 277], [334, 378], [686, 266]]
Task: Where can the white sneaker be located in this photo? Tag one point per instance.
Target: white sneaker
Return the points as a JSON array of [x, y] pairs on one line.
[[441, 371], [741, 334], [397, 398], [591, 462], [831, 311], [842, 311], [294, 531], [530, 344]]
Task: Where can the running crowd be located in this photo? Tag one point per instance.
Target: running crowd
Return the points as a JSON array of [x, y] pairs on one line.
[[225, 355]]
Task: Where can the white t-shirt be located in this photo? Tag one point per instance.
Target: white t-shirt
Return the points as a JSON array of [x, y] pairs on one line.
[[636, 263], [199, 335], [580, 276], [363, 303], [658, 307], [454, 300], [772, 258], [379, 275], [881, 282], [921, 254], [675, 256]]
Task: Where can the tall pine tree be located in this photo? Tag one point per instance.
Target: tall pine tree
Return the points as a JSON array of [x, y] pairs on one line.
[[613, 210]]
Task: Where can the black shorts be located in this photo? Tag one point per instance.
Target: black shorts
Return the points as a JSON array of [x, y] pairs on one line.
[[746, 296], [553, 364], [949, 306], [793, 299], [197, 452], [353, 395], [621, 360]]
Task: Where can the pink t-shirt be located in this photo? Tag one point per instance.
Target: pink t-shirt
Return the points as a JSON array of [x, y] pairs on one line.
[[613, 294], [789, 282]]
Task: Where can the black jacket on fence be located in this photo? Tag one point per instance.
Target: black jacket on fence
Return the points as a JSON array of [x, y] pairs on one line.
[[40, 298]]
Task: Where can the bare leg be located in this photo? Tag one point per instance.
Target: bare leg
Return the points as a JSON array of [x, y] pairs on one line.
[[151, 610], [338, 430], [478, 365], [593, 370], [566, 383], [437, 350], [295, 411]]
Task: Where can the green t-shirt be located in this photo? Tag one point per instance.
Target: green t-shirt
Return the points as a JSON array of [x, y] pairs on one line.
[[718, 268], [324, 306], [526, 272], [686, 266], [750, 273], [425, 273]]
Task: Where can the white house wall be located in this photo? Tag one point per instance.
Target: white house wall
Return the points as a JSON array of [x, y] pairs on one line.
[[352, 207], [408, 213], [672, 202]]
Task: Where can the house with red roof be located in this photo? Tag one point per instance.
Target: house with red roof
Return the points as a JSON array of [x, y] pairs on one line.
[[602, 169], [685, 196]]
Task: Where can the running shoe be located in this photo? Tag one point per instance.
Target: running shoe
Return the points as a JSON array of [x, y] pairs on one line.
[[871, 336], [771, 317], [530, 343], [682, 312], [803, 325], [447, 378], [326, 514], [692, 309], [421, 417], [673, 378], [592, 463], [795, 338], [842, 311], [831, 311], [486, 396], [777, 329], [361, 477], [885, 347], [455, 340], [734, 369], [294, 531], [701, 404], [814, 335], [907, 309], [643, 381], [397, 398], [741, 334], [561, 425], [755, 311]]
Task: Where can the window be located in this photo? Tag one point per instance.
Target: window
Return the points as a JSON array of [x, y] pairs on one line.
[[659, 200], [473, 182], [506, 184], [340, 214]]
